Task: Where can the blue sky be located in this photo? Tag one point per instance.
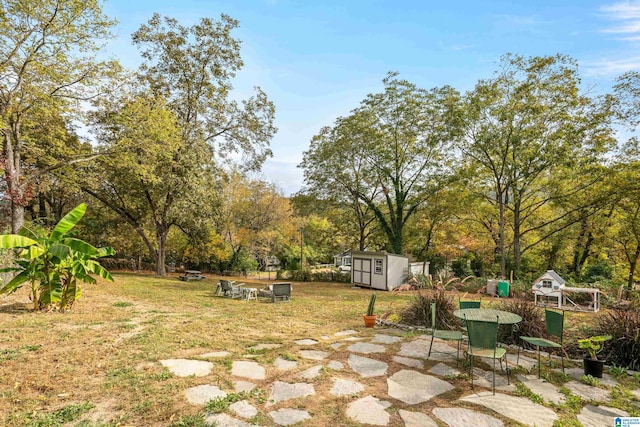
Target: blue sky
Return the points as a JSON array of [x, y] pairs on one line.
[[316, 60]]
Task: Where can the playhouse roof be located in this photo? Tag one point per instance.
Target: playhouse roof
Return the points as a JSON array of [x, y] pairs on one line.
[[555, 276]]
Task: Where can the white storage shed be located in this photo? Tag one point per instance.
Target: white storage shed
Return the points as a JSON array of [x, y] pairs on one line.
[[378, 270]]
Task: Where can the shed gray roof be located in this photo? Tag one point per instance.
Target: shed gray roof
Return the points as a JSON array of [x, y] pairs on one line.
[[555, 276]]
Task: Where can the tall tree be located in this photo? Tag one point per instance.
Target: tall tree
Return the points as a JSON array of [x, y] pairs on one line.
[[534, 139], [186, 79], [47, 66]]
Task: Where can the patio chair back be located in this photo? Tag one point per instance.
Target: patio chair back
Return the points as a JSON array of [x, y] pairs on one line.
[[469, 304], [281, 291], [555, 323], [482, 334]]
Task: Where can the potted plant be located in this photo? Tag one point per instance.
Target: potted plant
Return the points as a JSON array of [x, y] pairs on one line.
[[370, 317], [593, 345]]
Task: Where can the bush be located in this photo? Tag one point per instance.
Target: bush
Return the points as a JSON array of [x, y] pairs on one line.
[[314, 276], [532, 324], [419, 310], [623, 324], [597, 272]]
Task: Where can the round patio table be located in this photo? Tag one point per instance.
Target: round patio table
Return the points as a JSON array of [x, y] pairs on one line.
[[488, 315]]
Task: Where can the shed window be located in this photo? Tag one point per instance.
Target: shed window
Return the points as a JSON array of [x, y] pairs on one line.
[[546, 283], [378, 267]]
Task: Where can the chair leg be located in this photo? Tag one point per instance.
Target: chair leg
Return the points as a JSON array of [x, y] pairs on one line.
[[538, 362], [430, 346], [494, 374], [506, 363], [471, 369], [457, 354]]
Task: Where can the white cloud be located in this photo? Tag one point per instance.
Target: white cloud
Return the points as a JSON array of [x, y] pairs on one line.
[[626, 19], [610, 67]]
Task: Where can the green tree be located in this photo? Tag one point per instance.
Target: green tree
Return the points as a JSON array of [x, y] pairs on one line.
[[47, 66], [176, 159]]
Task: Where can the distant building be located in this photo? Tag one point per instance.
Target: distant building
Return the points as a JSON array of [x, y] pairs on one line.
[[379, 270], [341, 259]]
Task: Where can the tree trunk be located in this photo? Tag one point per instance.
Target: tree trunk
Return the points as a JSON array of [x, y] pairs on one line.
[[632, 267], [501, 244], [161, 252], [11, 152], [517, 252]]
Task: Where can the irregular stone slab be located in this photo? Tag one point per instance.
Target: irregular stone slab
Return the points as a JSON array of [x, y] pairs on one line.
[[335, 365], [608, 381], [224, 420], [385, 339], [325, 337], [366, 348], [336, 345], [314, 354], [240, 386], [307, 341], [243, 409], [345, 333], [456, 417], [416, 419], [574, 372], [287, 417], [636, 394], [369, 410], [284, 364], [367, 367], [394, 331], [425, 337], [284, 391], [186, 367], [520, 409], [251, 370], [311, 373], [542, 388], [420, 349], [352, 339], [202, 394], [598, 416], [265, 346], [412, 387], [414, 363], [345, 387], [444, 370], [216, 354], [524, 361], [588, 392]]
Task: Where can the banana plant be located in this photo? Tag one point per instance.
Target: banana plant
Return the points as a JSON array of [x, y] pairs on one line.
[[53, 264]]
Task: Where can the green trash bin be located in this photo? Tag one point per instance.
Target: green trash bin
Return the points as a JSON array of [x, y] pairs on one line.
[[503, 288]]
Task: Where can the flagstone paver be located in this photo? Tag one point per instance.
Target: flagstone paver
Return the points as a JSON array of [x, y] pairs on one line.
[[342, 387], [386, 339], [542, 388], [416, 419], [336, 345], [314, 354], [444, 370], [287, 417], [284, 364], [311, 373], [352, 339], [345, 333], [524, 361], [265, 346], [367, 367], [245, 369], [517, 408], [420, 348], [240, 386], [284, 391], [412, 387], [366, 348], [407, 361], [574, 372], [369, 410], [243, 409], [216, 354], [224, 420], [335, 365], [307, 341], [187, 367], [456, 417], [202, 394], [599, 416], [588, 392]]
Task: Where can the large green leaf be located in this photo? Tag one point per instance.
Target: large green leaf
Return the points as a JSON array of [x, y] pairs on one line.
[[10, 241], [99, 270], [81, 246], [60, 251], [106, 251], [15, 283], [68, 222]]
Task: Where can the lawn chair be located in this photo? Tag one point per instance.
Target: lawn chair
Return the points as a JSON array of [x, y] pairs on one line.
[[443, 334], [230, 289], [467, 304], [483, 342], [554, 322], [279, 292]]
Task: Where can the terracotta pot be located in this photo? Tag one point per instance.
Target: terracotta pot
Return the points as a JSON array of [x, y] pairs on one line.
[[593, 367], [369, 321]]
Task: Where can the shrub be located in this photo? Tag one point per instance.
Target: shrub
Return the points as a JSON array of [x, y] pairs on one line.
[[419, 310], [623, 324], [532, 324]]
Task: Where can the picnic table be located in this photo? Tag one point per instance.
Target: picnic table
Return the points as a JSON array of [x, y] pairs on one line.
[[488, 315], [191, 275]]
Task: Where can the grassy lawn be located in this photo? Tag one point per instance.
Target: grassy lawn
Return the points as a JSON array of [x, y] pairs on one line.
[[99, 364]]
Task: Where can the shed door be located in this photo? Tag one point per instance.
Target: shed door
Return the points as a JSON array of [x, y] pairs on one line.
[[361, 271]]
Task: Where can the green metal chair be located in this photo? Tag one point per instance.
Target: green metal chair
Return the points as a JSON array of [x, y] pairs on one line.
[[483, 342], [554, 322], [443, 334], [467, 304]]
